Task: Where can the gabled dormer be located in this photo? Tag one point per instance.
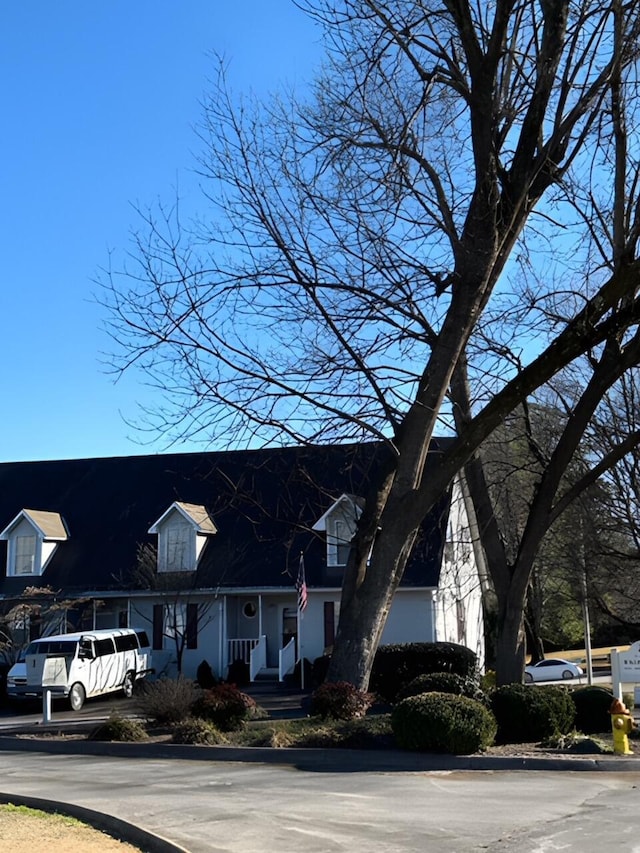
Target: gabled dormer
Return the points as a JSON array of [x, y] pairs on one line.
[[339, 523], [32, 537], [182, 533]]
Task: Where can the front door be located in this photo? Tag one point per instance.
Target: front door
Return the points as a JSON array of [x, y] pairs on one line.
[[289, 625]]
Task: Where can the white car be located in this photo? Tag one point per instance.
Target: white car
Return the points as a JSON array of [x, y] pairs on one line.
[[551, 669]]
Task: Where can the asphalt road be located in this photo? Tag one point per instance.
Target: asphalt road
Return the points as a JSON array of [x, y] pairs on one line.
[[210, 807], [94, 709]]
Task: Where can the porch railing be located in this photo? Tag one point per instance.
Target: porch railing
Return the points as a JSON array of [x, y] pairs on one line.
[[241, 649], [258, 658], [287, 659]]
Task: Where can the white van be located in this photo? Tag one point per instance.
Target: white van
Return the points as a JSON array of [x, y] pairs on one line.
[[81, 665]]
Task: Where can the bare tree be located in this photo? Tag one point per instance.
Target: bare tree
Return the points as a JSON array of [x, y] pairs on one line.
[[184, 610], [37, 611], [356, 241], [581, 389]]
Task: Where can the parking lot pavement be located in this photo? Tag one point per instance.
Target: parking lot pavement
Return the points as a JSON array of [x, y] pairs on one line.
[[253, 808], [28, 713]]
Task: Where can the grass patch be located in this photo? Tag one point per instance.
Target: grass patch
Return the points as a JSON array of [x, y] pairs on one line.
[[25, 811]]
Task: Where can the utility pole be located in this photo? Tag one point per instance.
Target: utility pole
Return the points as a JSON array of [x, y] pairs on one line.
[[585, 610]]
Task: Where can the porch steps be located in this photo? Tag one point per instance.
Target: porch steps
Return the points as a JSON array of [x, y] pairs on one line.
[[268, 675], [280, 700]]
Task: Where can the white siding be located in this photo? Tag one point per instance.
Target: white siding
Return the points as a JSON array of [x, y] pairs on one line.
[[459, 617]]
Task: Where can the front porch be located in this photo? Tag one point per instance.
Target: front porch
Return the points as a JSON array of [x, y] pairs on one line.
[[253, 653]]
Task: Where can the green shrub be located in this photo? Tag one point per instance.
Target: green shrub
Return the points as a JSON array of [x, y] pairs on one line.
[[443, 682], [238, 673], [119, 728], [205, 675], [253, 711], [395, 666], [488, 681], [363, 733], [527, 714], [441, 722], [196, 731], [224, 705], [167, 700], [319, 670], [592, 705], [340, 701]]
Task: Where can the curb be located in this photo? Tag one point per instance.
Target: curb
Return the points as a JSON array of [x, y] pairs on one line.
[[113, 826], [326, 760]]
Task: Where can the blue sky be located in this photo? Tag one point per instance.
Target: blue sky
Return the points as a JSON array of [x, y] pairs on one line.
[[99, 100]]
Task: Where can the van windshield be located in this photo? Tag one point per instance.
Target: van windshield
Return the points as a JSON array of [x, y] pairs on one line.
[[52, 647]]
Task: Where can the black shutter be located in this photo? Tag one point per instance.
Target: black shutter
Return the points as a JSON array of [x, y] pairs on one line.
[[329, 623], [192, 626], [158, 625]]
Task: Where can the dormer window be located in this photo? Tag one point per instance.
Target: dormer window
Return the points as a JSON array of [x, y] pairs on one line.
[[182, 533], [339, 523], [25, 556], [339, 536], [32, 537], [178, 541]]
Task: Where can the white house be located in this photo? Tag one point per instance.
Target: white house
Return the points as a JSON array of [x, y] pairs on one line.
[[203, 550]]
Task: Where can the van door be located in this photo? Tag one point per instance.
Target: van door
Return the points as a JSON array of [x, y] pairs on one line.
[[82, 668]]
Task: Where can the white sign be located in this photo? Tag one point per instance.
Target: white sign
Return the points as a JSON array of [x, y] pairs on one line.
[[629, 663], [54, 672]]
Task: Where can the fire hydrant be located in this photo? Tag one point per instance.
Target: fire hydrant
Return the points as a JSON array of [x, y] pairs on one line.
[[622, 725]]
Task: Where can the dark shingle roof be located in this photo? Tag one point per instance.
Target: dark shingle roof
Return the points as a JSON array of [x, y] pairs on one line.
[[263, 504]]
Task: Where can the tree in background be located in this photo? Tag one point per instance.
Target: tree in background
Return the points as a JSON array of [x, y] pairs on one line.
[[39, 611], [362, 244]]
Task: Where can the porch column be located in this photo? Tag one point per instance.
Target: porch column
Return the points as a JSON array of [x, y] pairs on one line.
[[225, 638], [259, 616]]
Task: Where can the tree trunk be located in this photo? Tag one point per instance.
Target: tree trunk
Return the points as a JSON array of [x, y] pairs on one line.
[[366, 602], [510, 644]]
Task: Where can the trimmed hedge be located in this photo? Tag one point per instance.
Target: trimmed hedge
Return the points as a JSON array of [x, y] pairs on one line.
[[530, 713], [592, 705], [443, 682], [441, 722], [395, 666]]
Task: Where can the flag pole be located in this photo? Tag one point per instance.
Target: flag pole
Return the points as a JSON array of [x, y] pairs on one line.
[[300, 658], [301, 587]]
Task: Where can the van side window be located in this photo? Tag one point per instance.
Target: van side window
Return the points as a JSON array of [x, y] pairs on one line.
[[104, 647], [85, 651], [143, 639], [127, 643]]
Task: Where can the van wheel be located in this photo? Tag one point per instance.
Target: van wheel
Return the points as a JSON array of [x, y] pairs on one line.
[[77, 696], [127, 685]]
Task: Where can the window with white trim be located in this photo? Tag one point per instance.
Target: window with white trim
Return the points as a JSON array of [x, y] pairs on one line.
[[339, 535], [177, 548], [25, 555]]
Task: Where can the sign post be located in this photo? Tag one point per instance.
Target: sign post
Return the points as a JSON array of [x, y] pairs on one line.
[[54, 674]]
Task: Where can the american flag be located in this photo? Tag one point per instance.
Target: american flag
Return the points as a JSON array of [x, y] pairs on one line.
[[301, 586]]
